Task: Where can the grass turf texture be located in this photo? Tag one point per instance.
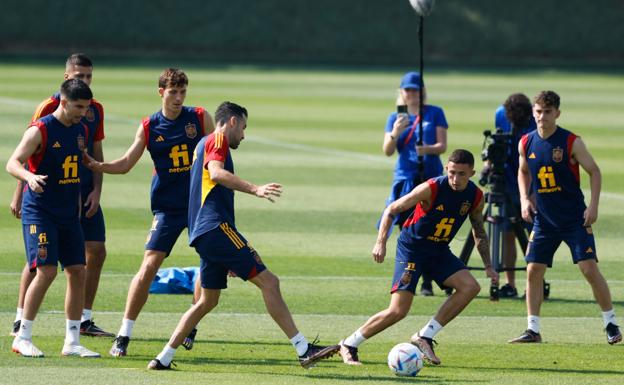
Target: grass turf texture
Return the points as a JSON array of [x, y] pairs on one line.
[[319, 133]]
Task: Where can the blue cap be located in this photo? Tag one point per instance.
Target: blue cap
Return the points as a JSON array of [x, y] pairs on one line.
[[411, 80]]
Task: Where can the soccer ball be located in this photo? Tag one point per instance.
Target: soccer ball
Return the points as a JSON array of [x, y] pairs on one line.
[[422, 7], [405, 360]]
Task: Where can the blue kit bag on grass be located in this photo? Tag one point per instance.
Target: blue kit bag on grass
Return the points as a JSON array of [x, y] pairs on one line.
[[174, 280]]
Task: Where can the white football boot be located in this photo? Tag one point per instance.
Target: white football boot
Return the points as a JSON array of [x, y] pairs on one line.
[[79, 351], [25, 347]]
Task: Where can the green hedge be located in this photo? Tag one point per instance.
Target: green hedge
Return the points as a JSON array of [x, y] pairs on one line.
[[322, 31]]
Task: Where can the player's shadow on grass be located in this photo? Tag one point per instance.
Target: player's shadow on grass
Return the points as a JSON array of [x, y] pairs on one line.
[[578, 301], [259, 367], [218, 342], [550, 370]]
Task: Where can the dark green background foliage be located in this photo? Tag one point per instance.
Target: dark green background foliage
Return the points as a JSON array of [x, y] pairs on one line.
[[524, 32]]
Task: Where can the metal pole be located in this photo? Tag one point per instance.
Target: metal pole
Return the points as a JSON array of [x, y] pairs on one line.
[[421, 106]]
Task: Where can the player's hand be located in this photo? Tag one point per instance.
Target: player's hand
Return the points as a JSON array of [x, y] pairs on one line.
[[269, 191], [16, 207], [232, 274], [528, 210], [90, 163], [492, 274], [92, 202], [590, 215], [36, 182], [379, 251], [400, 124]]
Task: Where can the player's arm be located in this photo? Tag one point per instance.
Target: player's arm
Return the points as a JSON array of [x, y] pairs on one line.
[[16, 200], [584, 158], [220, 175], [93, 199], [25, 149], [390, 138], [481, 241], [524, 185], [439, 147], [420, 193], [123, 164]]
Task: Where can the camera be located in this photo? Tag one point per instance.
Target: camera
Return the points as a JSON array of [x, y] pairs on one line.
[[495, 150]]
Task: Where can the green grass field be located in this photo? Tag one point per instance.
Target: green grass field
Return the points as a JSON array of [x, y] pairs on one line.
[[318, 133]]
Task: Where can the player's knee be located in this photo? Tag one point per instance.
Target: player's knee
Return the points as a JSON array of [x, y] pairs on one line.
[[96, 255], [397, 313], [473, 288], [47, 273], [535, 272], [270, 281], [148, 270], [207, 303], [589, 270], [76, 272]]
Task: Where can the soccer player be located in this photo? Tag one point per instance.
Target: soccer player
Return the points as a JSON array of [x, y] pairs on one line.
[[213, 234], [442, 205], [170, 135], [77, 66], [402, 134], [550, 158], [53, 146]]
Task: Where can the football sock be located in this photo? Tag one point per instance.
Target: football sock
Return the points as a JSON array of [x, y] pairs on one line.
[[25, 331], [430, 329], [534, 323], [355, 339], [126, 328], [300, 343], [86, 315], [18, 314], [166, 356], [72, 332], [608, 317]]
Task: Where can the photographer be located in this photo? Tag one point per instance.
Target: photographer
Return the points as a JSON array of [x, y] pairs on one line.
[[515, 118], [401, 134]]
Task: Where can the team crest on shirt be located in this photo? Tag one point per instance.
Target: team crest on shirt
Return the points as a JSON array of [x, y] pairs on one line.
[[464, 208], [90, 115], [81, 142], [557, 154], [191, 130], [42, 252]]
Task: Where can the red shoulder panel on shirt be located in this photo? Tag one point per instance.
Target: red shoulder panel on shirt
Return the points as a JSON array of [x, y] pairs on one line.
[[478, 198], [146, 125], [98, 135], [201, 113], [35, 159], [216, 148], [574, 168], [524, 140]]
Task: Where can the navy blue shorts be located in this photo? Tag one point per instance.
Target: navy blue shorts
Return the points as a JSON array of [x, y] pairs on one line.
[[49, 244], [224, 249], [414, 260], [543, 244], [166, 228], [93, 228]]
